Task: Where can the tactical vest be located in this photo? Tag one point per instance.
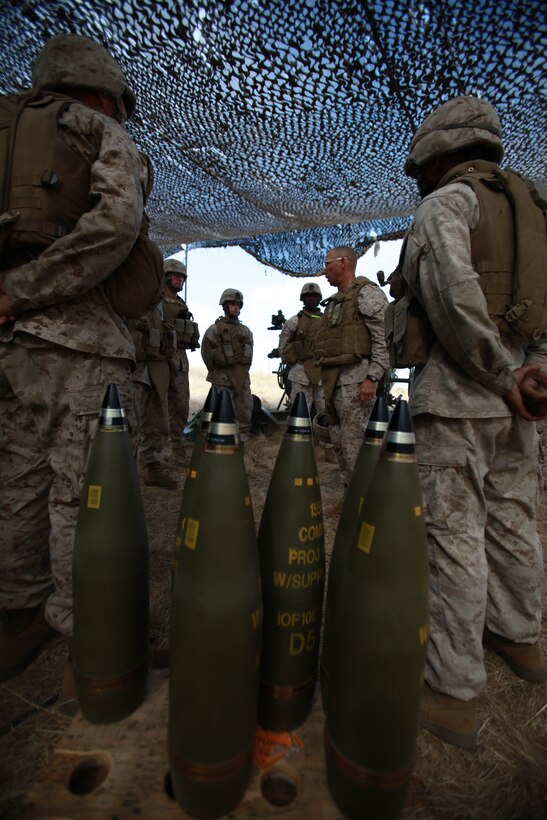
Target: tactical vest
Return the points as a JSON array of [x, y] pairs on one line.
[[343, 337], [508, 252], [235, 343], [180, 321], [300, 346], [45, 184]]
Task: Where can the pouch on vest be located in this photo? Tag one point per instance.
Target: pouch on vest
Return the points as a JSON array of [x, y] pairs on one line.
[[247, 354], [169, 343], [289, 355], [300, 348], [228, 351], [407, 330], [187, 333], [152, 343], [406, 333], [335, 314]]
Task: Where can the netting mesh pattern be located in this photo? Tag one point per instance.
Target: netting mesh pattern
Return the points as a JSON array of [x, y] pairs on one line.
[[282, 125]]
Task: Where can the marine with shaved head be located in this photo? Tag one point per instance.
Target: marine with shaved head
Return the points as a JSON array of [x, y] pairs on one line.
[[351, 351]]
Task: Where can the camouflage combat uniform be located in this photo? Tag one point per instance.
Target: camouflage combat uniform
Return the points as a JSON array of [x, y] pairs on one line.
[[56, 359], [304, 376], [233, 376], [477, 460]]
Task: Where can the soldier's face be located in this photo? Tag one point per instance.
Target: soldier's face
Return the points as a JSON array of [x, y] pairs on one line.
[[311, 300], [334, 268], [430, 174], [177, 281], [232, 309]]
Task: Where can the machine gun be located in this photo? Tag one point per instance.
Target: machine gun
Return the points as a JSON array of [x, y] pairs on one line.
[[282, 372], [278, 320]]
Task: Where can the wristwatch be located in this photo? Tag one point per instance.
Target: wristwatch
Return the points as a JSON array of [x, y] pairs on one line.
[[372, 379]]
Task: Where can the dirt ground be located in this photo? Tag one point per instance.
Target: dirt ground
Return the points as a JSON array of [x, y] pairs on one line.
[[504, 779]]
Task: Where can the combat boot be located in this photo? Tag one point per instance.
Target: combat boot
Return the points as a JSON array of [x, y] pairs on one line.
[[451, 719], [154, 475], [525, 659], [23, 632]]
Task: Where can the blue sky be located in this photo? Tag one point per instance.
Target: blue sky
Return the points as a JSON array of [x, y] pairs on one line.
[[265, 291]]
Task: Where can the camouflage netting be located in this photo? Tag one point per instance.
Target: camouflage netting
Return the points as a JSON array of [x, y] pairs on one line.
[[282, 126]]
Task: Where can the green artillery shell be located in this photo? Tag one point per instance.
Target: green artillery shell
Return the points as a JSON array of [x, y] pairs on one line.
[[379, 640], [216, 624], [292, 558], [110, 576], [193, 469], [360, 480]]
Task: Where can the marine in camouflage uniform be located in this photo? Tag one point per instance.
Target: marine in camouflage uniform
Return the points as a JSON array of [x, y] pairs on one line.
[[475, 441], [296, 349], [227, 350], [175, 314], [61, 342], [350, 348]]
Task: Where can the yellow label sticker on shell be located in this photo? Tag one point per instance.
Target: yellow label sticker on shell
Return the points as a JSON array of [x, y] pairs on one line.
[[297, 482], [191, 534], [423, 633], [309, 482], [247, 500], [94, 496], [364, 542], [193, 473], [418, 511]]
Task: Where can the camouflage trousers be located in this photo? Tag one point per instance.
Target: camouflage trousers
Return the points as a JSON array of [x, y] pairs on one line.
[[153, 423], [479, 480], [50, 399], [347, 436], [313, 394], [178, 397]]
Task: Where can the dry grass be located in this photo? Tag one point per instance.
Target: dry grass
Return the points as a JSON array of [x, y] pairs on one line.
[[505, 779]]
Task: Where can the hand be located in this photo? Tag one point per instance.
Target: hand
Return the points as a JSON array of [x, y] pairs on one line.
[[533, 388], [528, 398], [367, 391]]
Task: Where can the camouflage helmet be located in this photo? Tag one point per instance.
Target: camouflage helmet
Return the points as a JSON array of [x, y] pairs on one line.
[[75, 61], [173, 266], [456, 124], [311, 287], [231, 295]]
